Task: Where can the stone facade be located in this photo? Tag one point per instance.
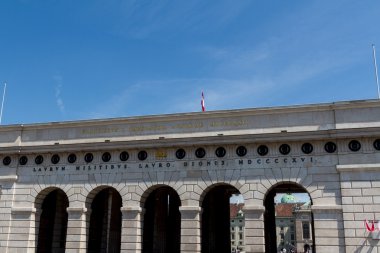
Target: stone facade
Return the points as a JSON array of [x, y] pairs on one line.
[[344, 185]]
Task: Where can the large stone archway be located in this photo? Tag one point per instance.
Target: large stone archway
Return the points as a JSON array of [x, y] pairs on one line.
[[51, 221], [216, 235], [162, 221], [292, 215], [104, 232]]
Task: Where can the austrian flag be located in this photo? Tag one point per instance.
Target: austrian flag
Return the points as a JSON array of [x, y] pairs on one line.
[[203, 103], [369, 227]]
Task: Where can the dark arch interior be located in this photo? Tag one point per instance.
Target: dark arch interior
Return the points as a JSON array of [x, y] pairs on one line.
[[105, 222], [270, 215], [53, 223], [216, 220], [162, 222]]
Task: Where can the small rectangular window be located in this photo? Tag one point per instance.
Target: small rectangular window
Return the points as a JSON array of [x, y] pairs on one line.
[[306, 230]]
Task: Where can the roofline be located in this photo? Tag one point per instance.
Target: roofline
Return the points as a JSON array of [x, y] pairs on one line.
[[202, 115]]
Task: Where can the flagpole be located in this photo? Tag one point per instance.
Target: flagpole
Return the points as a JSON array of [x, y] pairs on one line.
[[377, 77], [203, 103], [2, 102]]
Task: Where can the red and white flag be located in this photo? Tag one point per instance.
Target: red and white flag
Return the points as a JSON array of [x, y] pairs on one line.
[[203, 103], [369, 227]]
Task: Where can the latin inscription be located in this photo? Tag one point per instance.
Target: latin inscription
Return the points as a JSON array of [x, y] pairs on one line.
[[232, 163], [204, 163], [46, 169], [101, 167], [293, 160]]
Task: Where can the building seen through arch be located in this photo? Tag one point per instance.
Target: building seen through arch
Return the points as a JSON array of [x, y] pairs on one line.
[[288, 219], [294, 221], [237, 226], [163, 184]]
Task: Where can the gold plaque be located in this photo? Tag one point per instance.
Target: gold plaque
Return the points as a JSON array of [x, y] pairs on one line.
[[161, 154]]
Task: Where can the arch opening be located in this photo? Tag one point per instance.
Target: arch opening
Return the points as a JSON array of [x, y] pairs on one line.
[[222, 226], [288, 220], [105, 222], [53, 223], [162, 221]]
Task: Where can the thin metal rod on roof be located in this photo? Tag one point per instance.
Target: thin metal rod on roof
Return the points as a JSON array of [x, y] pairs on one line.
[[2, 102], [377, 77]]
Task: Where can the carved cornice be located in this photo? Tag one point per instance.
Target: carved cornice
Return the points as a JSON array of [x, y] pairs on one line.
[[358, 167]]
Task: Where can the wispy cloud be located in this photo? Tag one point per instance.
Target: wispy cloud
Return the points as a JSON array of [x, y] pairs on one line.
[[295, 53], [228, 90], [182, 95], [240, 78], [58, 80], [141, 19]]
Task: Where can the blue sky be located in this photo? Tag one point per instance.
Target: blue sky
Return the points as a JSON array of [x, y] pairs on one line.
[[71, 60]]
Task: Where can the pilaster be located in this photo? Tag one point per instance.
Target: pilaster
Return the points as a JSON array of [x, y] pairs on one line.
[[254, 228], [76, 238], [190, 229], [7, 188], [22, 235], [131, 230]]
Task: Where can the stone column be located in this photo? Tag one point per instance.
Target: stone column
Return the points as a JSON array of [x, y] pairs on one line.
[[254, 228], [328, 228], [131, 229], [190, 229], [76, 238]]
